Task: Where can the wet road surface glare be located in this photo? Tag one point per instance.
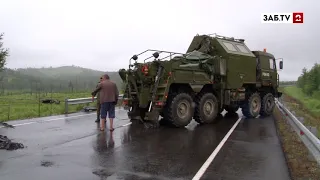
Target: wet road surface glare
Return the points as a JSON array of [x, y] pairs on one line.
[[74, 148]]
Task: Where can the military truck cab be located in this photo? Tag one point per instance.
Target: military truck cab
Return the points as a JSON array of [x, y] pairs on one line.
[[267, 67]]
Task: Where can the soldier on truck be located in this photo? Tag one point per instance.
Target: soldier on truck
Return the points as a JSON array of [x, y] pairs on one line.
[[216, 73]]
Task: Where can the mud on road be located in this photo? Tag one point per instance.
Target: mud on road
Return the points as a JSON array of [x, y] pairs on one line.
[[7, 144]]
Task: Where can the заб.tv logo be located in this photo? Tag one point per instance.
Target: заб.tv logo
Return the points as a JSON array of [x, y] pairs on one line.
[[287, 18]]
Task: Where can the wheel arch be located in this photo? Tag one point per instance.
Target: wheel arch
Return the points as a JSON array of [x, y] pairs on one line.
[[181, 88], [208, 88]]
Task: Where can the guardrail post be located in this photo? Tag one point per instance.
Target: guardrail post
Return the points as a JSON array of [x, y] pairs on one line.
[[66, 106], [9, 109]]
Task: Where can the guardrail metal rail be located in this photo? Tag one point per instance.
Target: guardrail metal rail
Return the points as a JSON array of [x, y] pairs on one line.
[[80, 101], [307, 137]]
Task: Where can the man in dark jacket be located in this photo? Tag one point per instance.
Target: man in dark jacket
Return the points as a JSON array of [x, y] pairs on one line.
[[108, 99]]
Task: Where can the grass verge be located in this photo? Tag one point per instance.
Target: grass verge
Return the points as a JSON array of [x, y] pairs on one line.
[[24, 106], [303, 106], [297, 155], [311, 104]]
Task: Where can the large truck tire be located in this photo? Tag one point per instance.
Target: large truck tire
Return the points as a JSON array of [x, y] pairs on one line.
[[252, 106], [134, 113], [207, 108], [179, 110], [267, 105]]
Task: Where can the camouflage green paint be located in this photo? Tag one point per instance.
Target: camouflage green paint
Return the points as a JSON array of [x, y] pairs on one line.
[[225, 64], [268, 68]]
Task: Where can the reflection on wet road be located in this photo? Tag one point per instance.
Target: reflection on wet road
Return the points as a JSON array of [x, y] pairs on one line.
[[74, 148]]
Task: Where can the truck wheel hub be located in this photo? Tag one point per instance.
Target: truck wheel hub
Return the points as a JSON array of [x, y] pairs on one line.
[[208, 107], [183, 109], [269, 104], [255, 105]]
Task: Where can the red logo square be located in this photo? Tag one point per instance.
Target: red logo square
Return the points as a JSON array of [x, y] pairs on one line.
[[297, 17]]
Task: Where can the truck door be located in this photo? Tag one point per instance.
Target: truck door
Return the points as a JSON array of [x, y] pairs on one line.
[[273, 72], [268, 70], [265, 69]]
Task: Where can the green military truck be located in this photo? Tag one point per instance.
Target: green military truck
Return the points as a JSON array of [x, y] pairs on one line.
[[216, 73]]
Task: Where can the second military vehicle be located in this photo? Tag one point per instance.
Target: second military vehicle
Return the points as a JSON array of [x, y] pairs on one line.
[[216, 73]]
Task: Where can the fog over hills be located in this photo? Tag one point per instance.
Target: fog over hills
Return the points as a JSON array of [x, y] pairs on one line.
[[64, 78]]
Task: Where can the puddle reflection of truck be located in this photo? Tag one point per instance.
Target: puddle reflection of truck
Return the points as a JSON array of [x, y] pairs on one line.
[[216, 73]]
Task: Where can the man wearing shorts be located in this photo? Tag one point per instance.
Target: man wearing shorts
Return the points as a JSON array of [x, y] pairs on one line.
[[108, 99]]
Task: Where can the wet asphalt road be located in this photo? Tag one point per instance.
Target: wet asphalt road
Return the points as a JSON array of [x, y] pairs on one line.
[[73, 148]]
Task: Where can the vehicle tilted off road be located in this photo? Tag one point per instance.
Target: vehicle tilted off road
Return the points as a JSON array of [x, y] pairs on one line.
[[216, 73]]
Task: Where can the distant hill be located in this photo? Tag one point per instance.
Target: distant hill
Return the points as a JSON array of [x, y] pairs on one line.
[[65, 78]]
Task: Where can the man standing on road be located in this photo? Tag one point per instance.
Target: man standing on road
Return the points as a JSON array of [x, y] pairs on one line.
[[98, 102], [108, 99]]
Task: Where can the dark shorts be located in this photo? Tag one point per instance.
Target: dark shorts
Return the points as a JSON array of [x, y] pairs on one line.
[[108, 108]]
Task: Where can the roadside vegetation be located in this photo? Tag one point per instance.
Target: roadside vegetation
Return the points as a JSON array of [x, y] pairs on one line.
[[4, 53], [309, 103], [300, 165], [304, 97], [21, 90], [23, 106], [308, 91]]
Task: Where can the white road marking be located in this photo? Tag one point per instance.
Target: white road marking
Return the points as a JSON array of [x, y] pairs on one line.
[[123, 125], [55, 119], [24, 123], [126, 124], [204, 167]]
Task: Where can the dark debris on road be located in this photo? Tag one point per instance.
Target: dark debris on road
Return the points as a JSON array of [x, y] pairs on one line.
[[7, 144], [6, 125]]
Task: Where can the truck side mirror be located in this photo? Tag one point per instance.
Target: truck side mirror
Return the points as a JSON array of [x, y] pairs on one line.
[[281, 64]]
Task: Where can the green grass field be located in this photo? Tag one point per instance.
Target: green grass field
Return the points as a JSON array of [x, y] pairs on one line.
[[312, 104], [304, 106], [23, 106]]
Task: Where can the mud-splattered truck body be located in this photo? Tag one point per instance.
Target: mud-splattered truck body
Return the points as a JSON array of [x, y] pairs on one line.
[[215, 73]]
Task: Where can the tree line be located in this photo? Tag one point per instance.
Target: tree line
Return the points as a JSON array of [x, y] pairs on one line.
[[62, 79], [288, 82], [4, 53], [31, 81], [309, 81]]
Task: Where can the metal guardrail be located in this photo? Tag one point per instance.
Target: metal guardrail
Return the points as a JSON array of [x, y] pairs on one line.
[[308, 138], [80, 101]]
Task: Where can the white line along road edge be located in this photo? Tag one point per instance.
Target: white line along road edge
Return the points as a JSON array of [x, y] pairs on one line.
[[205, 166], [54, 119]]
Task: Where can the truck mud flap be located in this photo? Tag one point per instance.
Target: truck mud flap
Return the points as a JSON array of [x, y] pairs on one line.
[[134, 115], [152, 116], [279, 94]]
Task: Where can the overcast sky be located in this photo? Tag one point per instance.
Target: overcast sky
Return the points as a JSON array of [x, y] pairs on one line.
[[104, 34]]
